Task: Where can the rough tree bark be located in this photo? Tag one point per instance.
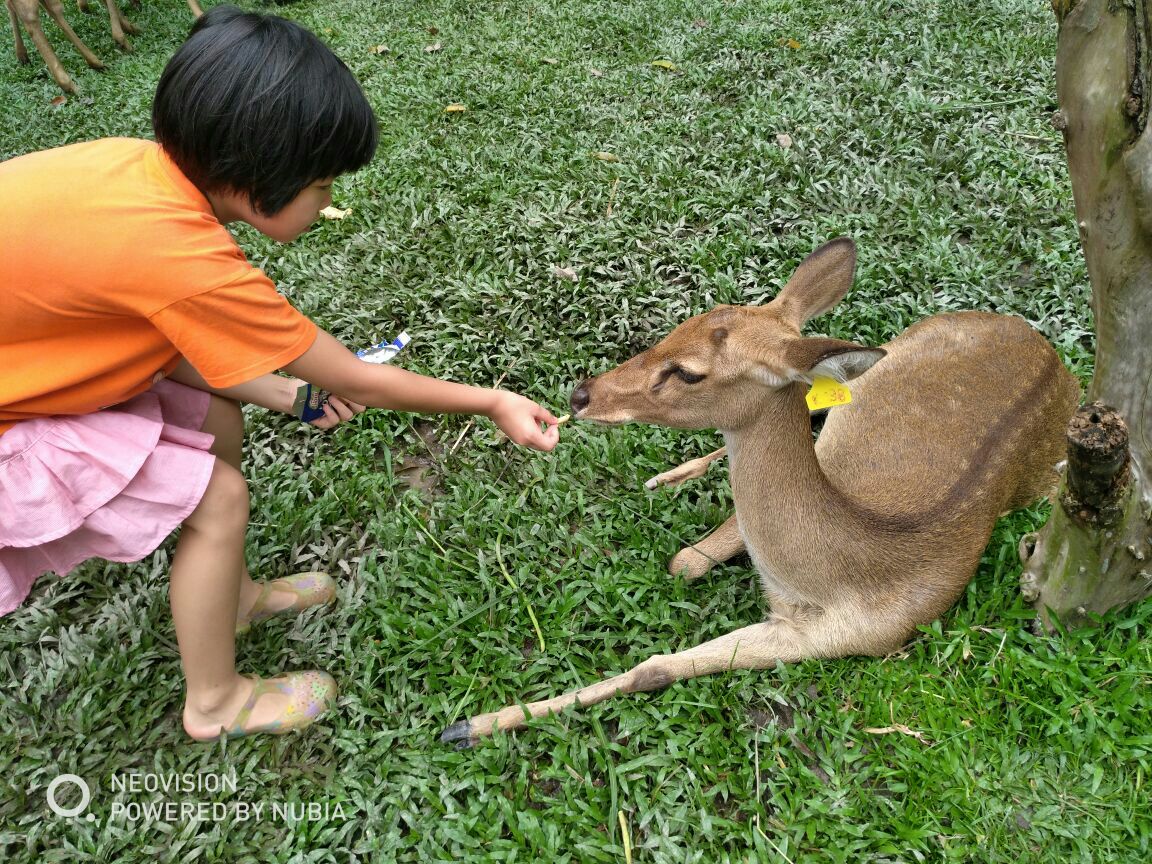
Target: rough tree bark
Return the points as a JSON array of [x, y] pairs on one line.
[[1094, 553]]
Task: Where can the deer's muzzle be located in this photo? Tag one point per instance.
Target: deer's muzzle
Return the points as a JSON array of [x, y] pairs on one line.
[[581, 396]]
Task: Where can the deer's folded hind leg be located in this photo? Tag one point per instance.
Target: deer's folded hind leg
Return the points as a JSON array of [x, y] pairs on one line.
[[694, 561], [756, 647]]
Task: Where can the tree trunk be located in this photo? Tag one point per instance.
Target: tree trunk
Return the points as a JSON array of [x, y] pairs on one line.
[[1089, 559]]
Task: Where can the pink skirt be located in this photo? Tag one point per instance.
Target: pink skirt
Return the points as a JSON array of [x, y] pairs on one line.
[[110, 485]]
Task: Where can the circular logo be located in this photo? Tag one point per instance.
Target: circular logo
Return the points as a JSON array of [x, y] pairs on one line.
[[85, 796]]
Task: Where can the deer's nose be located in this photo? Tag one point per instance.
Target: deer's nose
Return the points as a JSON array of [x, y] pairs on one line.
[[581, 396]]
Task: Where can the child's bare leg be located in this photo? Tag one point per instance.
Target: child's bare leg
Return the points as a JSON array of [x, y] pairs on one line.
[[204, 592], [225, 420], [209, 582]]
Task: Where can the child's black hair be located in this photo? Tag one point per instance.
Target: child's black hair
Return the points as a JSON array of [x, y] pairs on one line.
[[258, 105]]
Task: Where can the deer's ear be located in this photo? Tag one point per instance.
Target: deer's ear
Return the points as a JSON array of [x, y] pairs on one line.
[[830, 358], [819, 283]]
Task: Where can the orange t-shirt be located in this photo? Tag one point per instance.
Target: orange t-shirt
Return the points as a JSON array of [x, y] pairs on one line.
[[112, 268]]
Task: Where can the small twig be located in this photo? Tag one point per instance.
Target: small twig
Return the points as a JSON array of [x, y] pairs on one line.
[[523, 596], [756, 769], [899, 727], [971, 106], [1031, 139], [468, 425], [576, 775], [427, 533], [779, 851], [611, 198]]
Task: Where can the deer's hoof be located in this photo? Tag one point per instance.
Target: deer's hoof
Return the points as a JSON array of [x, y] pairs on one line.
[[459, 735]]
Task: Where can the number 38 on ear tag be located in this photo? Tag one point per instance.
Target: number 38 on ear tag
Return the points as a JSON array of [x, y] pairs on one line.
[[827, 393]]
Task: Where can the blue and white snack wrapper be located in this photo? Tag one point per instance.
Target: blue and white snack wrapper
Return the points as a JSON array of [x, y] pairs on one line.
[[309, 402], [385, 351]]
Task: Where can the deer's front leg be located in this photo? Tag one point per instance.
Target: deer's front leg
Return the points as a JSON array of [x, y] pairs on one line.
[[694, 561], [690, 469], [756, 647]]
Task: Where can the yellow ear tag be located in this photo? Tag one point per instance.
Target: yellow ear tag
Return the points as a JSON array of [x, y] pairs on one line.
[[827, 393]]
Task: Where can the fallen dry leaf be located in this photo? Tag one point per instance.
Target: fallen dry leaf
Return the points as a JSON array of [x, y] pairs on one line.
[[433, 48], [605, 156], [418, 473], [58, 101], [551, 61], [595, 73], [378, 49], [784, 140], [898, 727], [565, 273], [790, 43], [334, 212], [455, 108], [664, 64], [700, 23]]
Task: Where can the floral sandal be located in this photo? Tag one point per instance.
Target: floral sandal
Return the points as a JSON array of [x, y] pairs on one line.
[[310, 589], [309, 694]]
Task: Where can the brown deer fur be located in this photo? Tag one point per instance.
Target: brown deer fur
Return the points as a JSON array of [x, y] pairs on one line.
[[877, 527]]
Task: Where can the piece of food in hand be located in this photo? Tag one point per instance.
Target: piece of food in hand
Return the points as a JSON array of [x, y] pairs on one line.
[[562, 420]]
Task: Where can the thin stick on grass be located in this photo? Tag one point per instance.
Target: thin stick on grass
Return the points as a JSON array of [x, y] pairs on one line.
[[523, 596], [468, 425]]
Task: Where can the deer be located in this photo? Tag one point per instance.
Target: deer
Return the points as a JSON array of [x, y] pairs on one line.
[[876, 527], [27, 12]]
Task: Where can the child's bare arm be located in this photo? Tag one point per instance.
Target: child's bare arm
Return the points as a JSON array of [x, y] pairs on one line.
[[330, 365], [274, 392]]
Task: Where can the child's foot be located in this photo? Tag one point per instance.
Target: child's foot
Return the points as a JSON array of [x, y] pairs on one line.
[[288, 596], [274, 705]]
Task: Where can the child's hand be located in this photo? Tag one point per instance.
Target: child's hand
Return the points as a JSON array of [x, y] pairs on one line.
[[520, 419], [336, 411]]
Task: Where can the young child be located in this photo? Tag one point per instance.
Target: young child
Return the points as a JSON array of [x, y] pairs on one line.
[[133, 326]]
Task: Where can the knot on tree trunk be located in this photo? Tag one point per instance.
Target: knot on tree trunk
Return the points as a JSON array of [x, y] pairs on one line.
[[1098, 466]]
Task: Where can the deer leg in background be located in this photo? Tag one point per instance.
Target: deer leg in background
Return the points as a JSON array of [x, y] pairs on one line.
[[28, 14], [120, 25], [21, 51], [56, 12], [758, 646], [694, 561], [689, 470], [195, 7]]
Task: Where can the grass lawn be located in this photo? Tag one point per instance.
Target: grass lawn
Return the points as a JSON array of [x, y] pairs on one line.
[[919, 128]]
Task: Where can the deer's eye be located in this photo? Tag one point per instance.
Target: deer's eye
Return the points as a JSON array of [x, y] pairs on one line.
[[688, 377]]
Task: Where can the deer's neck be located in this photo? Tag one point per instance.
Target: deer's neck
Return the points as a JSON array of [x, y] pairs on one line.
[[786, 506]]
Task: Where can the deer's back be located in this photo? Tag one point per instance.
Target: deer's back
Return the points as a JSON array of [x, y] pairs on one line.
[[963, 418]]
